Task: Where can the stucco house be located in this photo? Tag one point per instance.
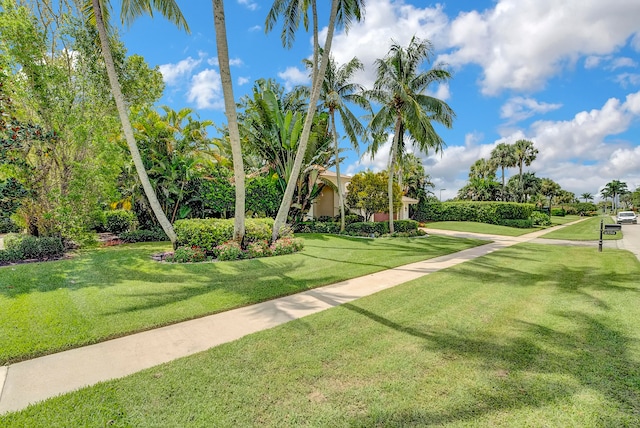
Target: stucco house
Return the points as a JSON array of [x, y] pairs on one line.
[[327, 204]]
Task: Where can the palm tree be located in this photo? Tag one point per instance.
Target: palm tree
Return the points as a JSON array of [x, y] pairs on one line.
[[550, 189], [525, 153], [337, 90], [400, 89], [587, 197], [504, 157], [232, 118], [615, 188], [342, 12], [131, 10]]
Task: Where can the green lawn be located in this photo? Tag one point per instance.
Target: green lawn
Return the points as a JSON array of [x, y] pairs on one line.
[[587, 230], [556, 220], [531, 335], [470, 226], [100, 294]]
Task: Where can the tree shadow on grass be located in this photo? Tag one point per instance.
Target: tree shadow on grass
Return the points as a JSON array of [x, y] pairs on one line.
[[537, 368]]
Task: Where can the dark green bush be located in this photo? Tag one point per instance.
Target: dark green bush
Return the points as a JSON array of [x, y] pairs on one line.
[[518, 223], [367, 228], [26, 247], [8, 226], [558, 212], [482, 212], [317, 227], [119, 221], [143, 235], [7, 256], [405, 225]]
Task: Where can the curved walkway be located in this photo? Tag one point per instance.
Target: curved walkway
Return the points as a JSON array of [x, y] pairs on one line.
[[40, 378]]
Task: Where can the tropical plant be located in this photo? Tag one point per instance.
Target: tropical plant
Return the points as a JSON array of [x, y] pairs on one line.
[[97, 13], [524, 153], [587, 196], [614, 189], [338, 89], [549, 189], [341, 12], [504, 157], [521, 188], [405, 107]]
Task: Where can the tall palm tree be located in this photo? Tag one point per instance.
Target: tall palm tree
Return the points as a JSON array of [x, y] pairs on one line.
[[400, 90], [337, 90], [232, 117], [587, 196], [131, 10], [614, 189], [525, 153], [342, 11], [504, 157]]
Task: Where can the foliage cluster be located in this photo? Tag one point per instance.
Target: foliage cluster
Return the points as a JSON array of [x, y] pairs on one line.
[[482, 212], [143, 235], [210, 233], [368, 228], [27, 247], [540, 219], [187, 254], [558, 212], [120, 221]]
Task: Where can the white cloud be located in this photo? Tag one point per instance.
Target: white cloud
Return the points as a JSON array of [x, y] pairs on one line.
[[206, 90], [520, 108], [255, 28], [173, 73], [293, 76], [243, 81], [592, 61], [623, 62], [522, 44], [249, 4], [628, 79], [233, 62]]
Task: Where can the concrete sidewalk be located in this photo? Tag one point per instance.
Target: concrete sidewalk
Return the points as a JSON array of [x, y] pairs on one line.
[[40, 378]]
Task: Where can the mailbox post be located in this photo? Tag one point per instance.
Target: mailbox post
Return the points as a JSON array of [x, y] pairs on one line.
[[608, 229]]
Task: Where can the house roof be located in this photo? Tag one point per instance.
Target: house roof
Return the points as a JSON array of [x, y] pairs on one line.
[[408, 200], [327, 173]]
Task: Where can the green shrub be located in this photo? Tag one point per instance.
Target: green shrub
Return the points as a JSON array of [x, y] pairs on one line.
[[405, 225], [211, 232], [482, 212], [540, 219], [143, 235], [8, 226], [368, 228], [518, 223], [26, 247], [317, 227], [230, 250], [119, 221], [187, 255], [558, 212], [7, 256]]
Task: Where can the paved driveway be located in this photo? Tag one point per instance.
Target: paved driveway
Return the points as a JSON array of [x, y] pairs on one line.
[[630, 239]]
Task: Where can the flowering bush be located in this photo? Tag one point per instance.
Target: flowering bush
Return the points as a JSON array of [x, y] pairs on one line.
[[230, 250], [187, 255], [259, 249], [286, 246]]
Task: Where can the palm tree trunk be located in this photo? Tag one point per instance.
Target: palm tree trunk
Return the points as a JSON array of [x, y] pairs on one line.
[[126, 126], [334, 131], [283, 211], [232, 118], [392, 164]]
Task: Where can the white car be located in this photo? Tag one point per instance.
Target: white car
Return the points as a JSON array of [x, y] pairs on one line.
[[627, 217]]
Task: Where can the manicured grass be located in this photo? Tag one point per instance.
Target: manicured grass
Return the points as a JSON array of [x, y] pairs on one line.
[[470, 226], [587, 230], [532, 335], [47, 307], [556, 220]]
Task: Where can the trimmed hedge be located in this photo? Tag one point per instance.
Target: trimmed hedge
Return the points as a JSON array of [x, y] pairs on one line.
[[482, 212], [360, 228], [317, 227], [25, 247], [143, 235], [209, 233]]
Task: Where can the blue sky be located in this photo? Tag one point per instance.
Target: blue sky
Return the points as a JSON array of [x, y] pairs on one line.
[[565, 75]]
